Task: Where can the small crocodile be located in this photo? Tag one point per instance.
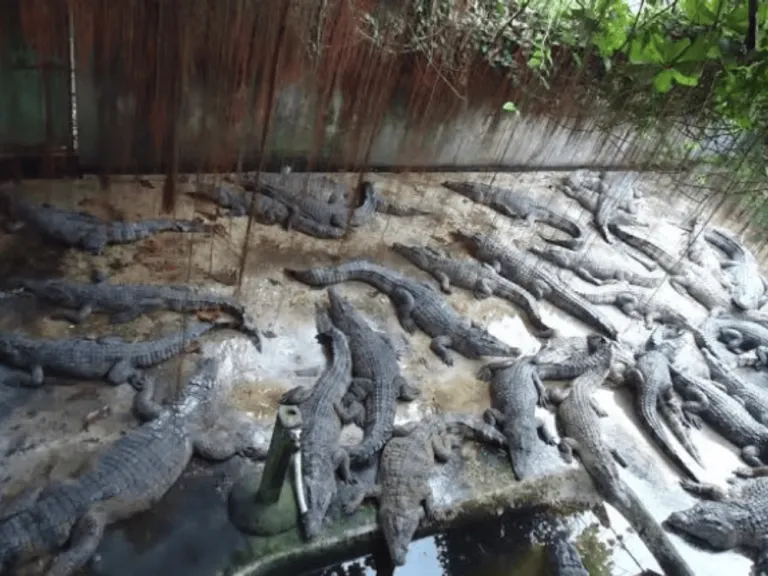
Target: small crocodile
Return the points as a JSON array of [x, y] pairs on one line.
[[725, 415], [479, 277], [727, 520], [377, 379], [684, 276], [526, 271], [748, 285], [608, 205], [561, 558], [322, 420], [516, 389], [568, 358], [268, 211], [109, 358], [403, 488], [87, 232], [515, 204], [581, 434], [128, 477], [417, 304], [125, 302], [595, 268], [635, 303], [754, 398], [652, 384]]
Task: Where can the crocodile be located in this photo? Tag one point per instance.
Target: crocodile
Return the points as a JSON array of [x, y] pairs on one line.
[[526, 271], [608, 205], [561, 558], [651, 382], [268, 211], [595, 268], [726, 415], [568, 358], [479, 277], [125, 302], [337, 194], [403, 490], [128, 477], [581, 434], [754, 398], [516, 389], [417, 304], [515, 204], [684, 275], [728, 519], [377, 379], [110, 358], [86, 232], [635, 303], [749, 290], [322, 419]]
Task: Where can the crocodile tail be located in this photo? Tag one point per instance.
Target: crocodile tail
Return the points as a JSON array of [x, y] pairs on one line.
[[665, 260], [370, 446], [649, 531], [318, 277], [510, 292], [566, 225], [653, 426], [574, 304]]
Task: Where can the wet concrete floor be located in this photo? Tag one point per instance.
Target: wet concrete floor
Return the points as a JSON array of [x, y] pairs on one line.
[[52, 432]]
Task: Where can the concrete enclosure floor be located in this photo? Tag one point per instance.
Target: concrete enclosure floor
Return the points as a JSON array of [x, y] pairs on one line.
[[54, 430]]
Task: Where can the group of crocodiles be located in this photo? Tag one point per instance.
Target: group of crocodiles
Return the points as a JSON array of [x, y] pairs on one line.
[[683, 375]]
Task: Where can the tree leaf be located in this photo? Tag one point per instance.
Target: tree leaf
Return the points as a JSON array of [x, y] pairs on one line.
[[510, 107], [683, 79], [676, 50], [662, 82]]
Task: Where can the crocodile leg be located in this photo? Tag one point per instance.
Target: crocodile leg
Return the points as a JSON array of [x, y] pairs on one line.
[[20, 379], [732, 338], [586, 275], [354, 501], [751, 455], [567, 447], [597, 409], [122, 371], [493, 417], [482, 290], [216, 445], [540, 389], [441, 445], [703, 490], [354, 412], [545, 433], [74, 317], [341, 464], [444, 281], [404, 304], [405, 391], [144, 405], [439, 346], [83, 542]]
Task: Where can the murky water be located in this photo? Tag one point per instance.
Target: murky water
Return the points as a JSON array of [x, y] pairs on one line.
[[512, 544]]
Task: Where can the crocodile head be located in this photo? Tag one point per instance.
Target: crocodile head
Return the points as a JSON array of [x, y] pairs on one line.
[[415, 254], [471, 190], [714, 523], [398, 527], [53, 290], [319, 488]]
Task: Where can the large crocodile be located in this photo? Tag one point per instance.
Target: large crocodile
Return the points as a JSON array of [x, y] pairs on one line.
[[684, 275], [479, 277], [635, 303], [754, 398], [526, 271], [727, 520], [596, 268], [377, 379], [87, 232], [726, 415], [403, 488], [582, 434], [652, 383], [268, 211], [417, 304], [128, 477], [109, 358], [517, 204], [124, 302], [516, 389], [322, 415], [748, 291]]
